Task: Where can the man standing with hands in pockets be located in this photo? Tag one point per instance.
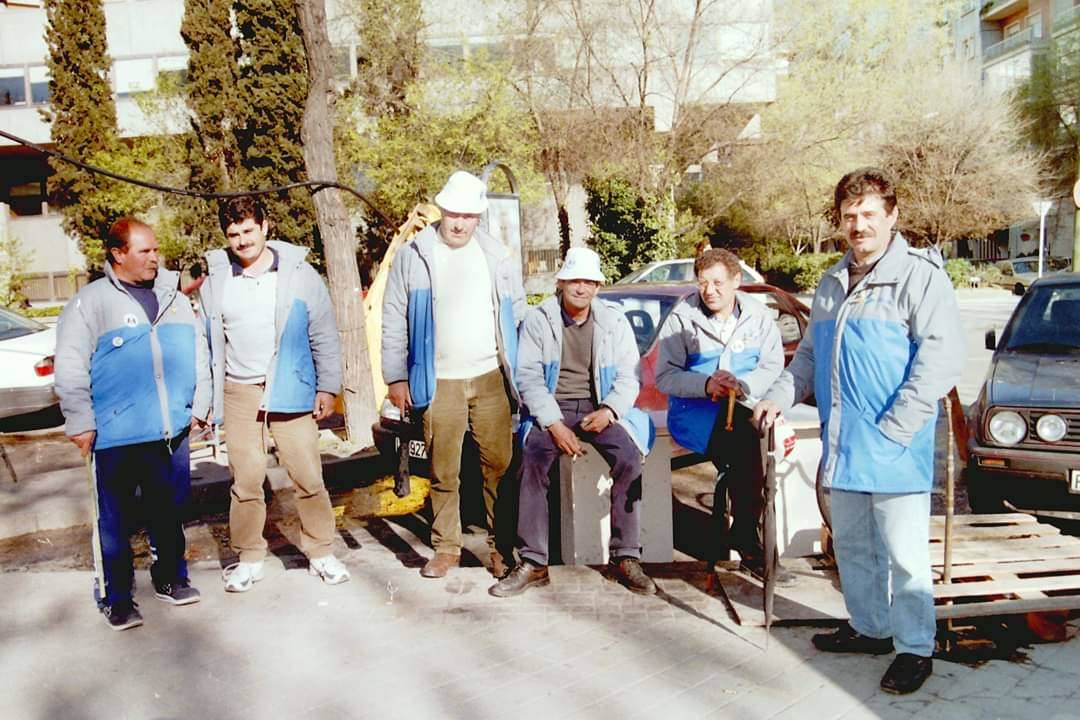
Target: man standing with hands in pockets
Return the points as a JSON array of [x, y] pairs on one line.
[[884, 346]]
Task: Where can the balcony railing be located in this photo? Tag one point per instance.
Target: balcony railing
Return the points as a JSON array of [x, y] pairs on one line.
[[1067, 19], [1008, 45]]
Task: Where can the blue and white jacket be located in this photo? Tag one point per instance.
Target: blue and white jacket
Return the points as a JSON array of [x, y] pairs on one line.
[[307, 351], [130, 377], [691, 350], [408, 322], [615, 367], [878, 361]]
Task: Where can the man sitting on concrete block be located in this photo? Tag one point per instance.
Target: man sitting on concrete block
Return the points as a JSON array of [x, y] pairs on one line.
[[577, 374], [714, 344]]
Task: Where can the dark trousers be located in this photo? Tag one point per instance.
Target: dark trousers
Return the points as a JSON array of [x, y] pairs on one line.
[[165, 481], [620, 453], [737, 457]]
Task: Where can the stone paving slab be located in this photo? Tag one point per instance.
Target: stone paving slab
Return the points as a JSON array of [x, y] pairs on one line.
[[582, 648]]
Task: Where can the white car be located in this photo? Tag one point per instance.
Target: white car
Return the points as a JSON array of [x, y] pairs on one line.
[[1020, 272], [26, 365], [680, 271]]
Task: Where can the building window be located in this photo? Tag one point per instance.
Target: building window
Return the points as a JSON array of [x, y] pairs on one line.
[[133, 76], [173, 70], [1034, 21], [1012, 28], [343, 63], [12, 86], [27, 198], [39, 84]]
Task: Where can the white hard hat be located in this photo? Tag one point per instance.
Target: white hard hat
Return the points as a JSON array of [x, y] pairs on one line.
[[463, 193], [581, 263]]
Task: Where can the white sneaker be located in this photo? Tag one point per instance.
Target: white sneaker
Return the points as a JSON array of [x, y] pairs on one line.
[[239, 577], [330, 569]]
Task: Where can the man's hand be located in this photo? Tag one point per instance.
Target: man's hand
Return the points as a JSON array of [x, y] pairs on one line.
[[84, 441], [598, 420], [324, 405], [765, 413], [400, 396], [197, 426], [719, 383], [565, 439]]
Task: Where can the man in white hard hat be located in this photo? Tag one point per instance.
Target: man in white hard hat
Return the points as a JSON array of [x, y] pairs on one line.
[[453, 302], [578, 377]]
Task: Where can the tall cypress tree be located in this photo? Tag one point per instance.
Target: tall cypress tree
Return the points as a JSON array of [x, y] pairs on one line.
[[83, 117], [272, 88], [212, 98]]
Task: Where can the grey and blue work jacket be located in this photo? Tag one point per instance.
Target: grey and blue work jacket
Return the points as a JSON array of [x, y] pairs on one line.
[[307, 351], [878, 361], [408, 321], [691, 350], [130, 377], [615, 368]]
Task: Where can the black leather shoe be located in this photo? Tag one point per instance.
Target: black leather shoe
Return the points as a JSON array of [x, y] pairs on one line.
[[906, 674], [847, 640], [627, 572], [784, 578], [520, 579]]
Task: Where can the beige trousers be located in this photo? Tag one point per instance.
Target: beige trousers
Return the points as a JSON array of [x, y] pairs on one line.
[[297, 439]]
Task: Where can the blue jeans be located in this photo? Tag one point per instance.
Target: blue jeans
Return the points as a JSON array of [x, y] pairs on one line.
[[873, 534], [165, 481]]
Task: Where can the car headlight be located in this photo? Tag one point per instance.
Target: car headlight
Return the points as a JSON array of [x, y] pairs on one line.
[[1051, 428], [1007, 427]]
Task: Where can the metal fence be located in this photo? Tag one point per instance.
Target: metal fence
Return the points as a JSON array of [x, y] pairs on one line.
[[52, 286]]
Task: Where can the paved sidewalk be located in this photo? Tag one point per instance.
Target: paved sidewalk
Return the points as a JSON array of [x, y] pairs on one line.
[[390, 644]]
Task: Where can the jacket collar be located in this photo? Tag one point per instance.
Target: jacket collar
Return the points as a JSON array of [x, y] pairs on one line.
[[888, 269]]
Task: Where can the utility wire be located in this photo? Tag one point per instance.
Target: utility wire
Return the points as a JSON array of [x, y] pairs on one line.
[[314, 185]]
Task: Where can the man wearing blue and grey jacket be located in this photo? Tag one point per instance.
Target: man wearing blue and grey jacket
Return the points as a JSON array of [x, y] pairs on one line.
[[133, 378], [453, 303], [717, 341], [277, 367], [884, 346], [578, 377]]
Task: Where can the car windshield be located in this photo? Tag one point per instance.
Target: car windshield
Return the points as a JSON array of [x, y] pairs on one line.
[[1047, 321], [646, 314], [1025, 266], [13, 325]]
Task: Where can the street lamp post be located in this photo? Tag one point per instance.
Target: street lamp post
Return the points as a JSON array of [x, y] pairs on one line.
[[1041, 207]]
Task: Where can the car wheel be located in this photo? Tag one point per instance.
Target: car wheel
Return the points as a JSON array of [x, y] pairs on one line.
[[984, 495], [1018, 289]]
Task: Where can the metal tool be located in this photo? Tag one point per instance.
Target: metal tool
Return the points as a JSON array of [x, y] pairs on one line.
[[95, 536]]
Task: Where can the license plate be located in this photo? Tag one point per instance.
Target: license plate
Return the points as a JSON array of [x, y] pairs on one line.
[[1074, 481], [418, 450]]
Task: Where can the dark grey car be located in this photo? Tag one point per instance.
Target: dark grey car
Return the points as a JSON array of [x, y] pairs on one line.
[[1025, 425]]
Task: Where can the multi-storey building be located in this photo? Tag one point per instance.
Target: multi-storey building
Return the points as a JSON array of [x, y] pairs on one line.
[[730, 62], [1002, 41]]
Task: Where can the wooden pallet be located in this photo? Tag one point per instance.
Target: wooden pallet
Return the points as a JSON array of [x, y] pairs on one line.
[[1004, 564]]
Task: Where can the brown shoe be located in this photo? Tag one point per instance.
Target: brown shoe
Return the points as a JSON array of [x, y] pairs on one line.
[[498, 565], [440, 565], [627, 572], [520, 579]]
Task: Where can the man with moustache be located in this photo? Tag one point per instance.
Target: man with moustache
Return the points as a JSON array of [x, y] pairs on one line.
[[276, 367], [578, 378], [884, 345], [133, 379], [452, 306], [719, 341]]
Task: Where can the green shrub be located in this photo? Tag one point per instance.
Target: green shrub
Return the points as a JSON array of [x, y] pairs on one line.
[[959, 271], [49, 311], [799, 272], [535, 298]]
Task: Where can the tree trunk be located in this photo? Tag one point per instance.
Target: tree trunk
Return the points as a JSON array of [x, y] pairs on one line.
[[342, 270]]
